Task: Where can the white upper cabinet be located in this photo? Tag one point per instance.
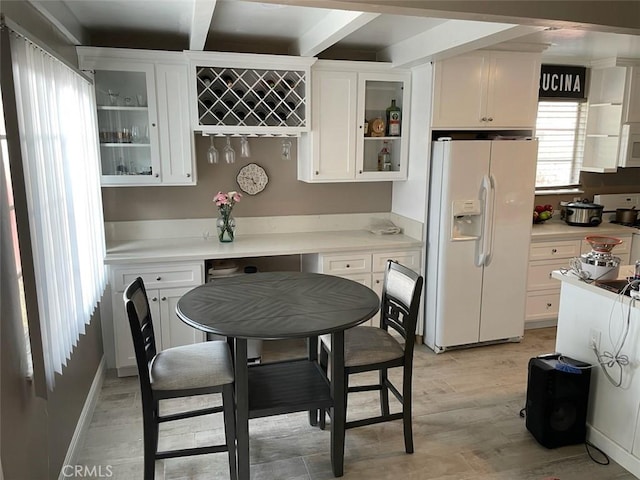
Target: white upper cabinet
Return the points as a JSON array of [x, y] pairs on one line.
[[350, 138], [614, 99], [143, 116], [234, 93], [486, 90], [631, 111]]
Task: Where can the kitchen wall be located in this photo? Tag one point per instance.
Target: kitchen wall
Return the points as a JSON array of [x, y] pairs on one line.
[[625, 180], [35, 431], [284, 194]]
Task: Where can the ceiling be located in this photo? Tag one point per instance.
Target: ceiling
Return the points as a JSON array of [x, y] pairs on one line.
[[404, 32]]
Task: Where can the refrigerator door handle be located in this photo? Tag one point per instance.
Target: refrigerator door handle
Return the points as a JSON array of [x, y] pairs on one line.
[[486, 239], [488, 236], [485, 188]]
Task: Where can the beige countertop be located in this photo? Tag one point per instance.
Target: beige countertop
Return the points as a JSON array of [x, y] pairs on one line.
[[557, 229], [257, 245]]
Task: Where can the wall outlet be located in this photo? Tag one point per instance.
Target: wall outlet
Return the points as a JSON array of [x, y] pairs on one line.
[[594, 338]]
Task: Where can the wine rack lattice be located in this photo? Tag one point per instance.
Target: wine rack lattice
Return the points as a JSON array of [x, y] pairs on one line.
[[251, 97]]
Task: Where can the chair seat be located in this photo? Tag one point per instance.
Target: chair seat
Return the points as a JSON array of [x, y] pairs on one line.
[[200, 365], [367, 345]]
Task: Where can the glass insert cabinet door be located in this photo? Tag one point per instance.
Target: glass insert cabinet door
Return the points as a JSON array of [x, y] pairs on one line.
[[383, 147], [127, 125]]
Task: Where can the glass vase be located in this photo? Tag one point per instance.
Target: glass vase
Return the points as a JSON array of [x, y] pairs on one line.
[[226, 226]]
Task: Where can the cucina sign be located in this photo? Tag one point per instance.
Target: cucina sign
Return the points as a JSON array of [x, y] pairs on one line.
[[562, 81]]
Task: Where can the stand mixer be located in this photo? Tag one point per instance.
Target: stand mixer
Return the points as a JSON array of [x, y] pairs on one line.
[[599, 263]]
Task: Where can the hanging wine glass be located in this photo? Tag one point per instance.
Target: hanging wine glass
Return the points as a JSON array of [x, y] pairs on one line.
[[286, 149], [229, 152], [245, 151], [212, 153]]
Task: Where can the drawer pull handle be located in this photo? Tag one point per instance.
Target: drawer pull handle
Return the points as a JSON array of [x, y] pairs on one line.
[[549, 305], [378, 282], [554, 250], [550, 273], [347, 265], [158, 279], [164, 299], [154, 299]]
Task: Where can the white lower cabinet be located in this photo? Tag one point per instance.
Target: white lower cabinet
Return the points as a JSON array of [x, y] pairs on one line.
[[165, 284], [366, 268], [543, 291]]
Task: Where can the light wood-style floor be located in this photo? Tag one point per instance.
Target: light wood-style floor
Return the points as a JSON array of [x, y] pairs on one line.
[[466, 426]]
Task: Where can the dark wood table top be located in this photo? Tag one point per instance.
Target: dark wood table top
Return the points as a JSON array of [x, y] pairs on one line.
[[276, 305]]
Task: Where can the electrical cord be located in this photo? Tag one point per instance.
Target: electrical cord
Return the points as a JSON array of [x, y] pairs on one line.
[[609, 360], [606, 460]]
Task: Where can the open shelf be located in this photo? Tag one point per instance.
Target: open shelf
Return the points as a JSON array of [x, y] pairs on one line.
[[286, 387]]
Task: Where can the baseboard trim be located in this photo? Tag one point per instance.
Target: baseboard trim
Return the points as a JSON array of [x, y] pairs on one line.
[[85, 418], [619, 455]]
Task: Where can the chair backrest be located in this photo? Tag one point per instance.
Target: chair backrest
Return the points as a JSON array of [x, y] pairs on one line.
[[400, 302], [141, 324]]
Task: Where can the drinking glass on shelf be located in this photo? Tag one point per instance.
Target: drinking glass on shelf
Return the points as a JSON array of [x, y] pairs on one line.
[[141, 101], [113, 97], [212, 153], [229, 152], [135, 134]]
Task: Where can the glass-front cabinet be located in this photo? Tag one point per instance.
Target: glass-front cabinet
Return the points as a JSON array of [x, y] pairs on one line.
[[360, 127], [383, 113], [142, 104], [127, 124]]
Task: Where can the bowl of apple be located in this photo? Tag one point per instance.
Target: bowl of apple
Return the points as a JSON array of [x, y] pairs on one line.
[[542, 213]]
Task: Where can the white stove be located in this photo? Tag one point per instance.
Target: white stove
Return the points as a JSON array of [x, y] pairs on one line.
[[621, 200]]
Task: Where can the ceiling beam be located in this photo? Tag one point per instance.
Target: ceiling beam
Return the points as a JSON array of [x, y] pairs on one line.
[[450, 38], [59, 15], [335, 26], [200, 23]]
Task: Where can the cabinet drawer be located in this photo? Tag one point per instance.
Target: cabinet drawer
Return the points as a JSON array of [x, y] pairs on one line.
[[539, 277], [364, 278], [346, 264], [408, 258], [542, 305], [548, 250], [160, 276]]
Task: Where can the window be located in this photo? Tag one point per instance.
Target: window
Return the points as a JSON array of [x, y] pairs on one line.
[[13, 303], [560, 129], [60, 160]]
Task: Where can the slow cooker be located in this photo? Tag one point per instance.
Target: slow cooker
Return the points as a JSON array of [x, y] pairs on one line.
[[581, 214]]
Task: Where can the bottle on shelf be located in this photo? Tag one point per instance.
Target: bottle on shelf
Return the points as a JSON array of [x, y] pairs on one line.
[[384, 159], [366, 127], [228, 80], [394, 114]]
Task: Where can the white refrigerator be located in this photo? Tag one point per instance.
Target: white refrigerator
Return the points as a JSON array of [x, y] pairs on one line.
[[479, 230]]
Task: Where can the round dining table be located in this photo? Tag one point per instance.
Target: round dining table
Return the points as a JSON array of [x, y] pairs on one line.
[[280, 305]]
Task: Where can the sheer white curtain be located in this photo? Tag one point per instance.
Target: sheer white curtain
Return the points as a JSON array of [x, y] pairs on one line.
[[58, 135]]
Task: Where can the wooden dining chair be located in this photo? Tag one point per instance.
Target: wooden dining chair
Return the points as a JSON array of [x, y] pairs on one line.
[[184, 371], [375, 348]]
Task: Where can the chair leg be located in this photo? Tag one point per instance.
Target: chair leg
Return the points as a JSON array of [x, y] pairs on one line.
[[406, 410], [230, 428], [384, 392], [150, 435]]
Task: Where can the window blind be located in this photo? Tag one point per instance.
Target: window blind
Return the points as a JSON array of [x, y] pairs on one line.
[[58, 141], [560, 129]]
